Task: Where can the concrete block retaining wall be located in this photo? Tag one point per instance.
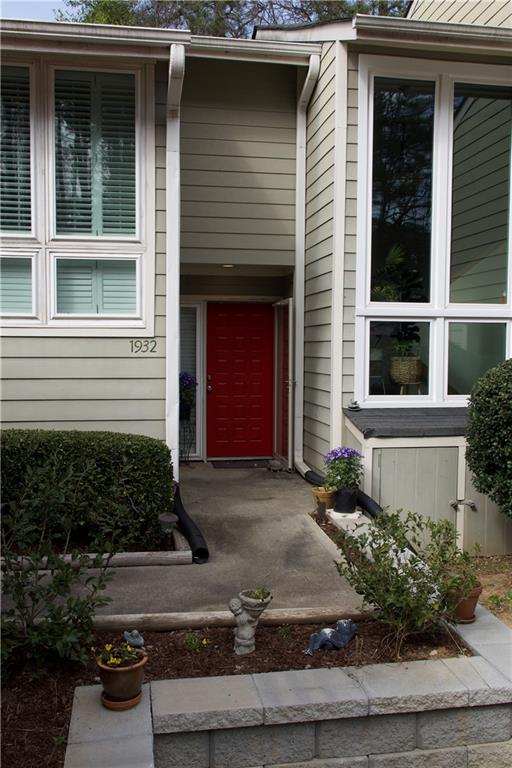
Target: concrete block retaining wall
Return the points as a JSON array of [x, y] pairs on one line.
[[435, 714], [451, 713]]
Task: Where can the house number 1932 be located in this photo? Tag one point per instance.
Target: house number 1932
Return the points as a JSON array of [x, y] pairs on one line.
[[142, 346]]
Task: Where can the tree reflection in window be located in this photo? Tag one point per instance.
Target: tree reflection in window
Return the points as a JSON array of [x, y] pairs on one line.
[[402, 190]]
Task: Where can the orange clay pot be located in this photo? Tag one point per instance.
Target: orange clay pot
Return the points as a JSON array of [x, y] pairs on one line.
[[122, 685], [465, 609]]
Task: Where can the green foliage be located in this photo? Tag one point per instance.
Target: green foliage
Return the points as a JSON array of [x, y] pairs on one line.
[[398, 279], [118, 654], [50, 611], [489, 435], [194, 642], [85, 488], [411, 592], [222, 18], [343, 468], [499, 603], [260, 593], [284, 632]]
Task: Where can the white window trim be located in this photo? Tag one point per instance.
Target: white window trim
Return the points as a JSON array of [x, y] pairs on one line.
[[33, 316], [438, 310], [45, 247], [33, 90], [137, 72], [86, 320]]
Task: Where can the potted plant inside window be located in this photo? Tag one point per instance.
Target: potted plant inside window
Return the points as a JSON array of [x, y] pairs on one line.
[[188, 384], [406, 366], [343, 471], [121, 669]]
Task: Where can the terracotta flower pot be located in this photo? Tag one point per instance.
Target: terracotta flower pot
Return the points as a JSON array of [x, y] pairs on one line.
[[465, 609], [324, 495], [122, 685]]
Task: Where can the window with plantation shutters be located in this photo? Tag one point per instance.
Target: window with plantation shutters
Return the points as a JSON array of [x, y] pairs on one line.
[[16, 286], [15, 191], [95, 168], [96, 287]]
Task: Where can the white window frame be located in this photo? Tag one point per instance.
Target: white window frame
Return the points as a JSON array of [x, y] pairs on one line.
[[139, 153], [114, 321], [34, 315], [438, 310], [47, 246], [28, 64]]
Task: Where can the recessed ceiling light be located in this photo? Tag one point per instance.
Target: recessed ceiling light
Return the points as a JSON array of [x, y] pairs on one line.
[[228, 266]]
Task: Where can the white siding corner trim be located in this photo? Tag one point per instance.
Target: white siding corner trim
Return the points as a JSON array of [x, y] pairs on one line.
[[172, 222], [300, 238]]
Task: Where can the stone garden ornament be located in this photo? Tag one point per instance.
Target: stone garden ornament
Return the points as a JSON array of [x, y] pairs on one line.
[[247, 609], [332, 639]]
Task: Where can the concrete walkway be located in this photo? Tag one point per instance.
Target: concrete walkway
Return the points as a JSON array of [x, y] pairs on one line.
[[259, 533]]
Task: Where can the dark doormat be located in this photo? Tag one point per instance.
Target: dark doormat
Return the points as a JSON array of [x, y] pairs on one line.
[[240, 464]]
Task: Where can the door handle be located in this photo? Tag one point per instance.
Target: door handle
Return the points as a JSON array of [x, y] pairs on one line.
[[209, 388]]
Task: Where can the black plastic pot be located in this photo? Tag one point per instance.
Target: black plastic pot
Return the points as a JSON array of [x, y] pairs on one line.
[[185, 409], [345, 500]]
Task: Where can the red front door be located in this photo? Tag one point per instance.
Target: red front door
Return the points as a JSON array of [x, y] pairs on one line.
[[239, 380]]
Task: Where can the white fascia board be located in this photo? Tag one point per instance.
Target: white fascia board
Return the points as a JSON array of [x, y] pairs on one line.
[[252, 50], [432, 36], [317, 33], [112, 33]]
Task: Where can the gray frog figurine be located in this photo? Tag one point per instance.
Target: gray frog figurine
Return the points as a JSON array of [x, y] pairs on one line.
[[332, 639]]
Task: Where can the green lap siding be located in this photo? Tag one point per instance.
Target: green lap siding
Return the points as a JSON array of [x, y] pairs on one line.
[[93, 383], [318, 275]]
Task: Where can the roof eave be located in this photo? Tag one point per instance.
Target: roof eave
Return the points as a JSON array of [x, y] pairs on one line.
[[107, 39], [433, 36]]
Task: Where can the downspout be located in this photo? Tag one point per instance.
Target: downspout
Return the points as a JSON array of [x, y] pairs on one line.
[[300, 247], [172, 241]]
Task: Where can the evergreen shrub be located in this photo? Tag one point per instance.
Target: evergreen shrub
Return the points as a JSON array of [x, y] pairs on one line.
[[102, 483], [489, 435]]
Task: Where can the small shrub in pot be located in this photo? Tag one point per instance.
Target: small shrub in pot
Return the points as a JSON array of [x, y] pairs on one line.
[[410, 569]]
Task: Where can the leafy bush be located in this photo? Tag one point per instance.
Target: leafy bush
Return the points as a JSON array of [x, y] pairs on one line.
[[97, 491], [99, 484], [343, 468], [411, 591], [489, 435], [50, 610]]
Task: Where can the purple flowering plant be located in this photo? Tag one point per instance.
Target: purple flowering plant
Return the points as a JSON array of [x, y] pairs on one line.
[[188, 384], [343, 468]]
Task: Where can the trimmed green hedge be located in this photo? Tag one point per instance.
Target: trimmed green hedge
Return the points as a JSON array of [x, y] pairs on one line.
[[489, 435], [101, 484]]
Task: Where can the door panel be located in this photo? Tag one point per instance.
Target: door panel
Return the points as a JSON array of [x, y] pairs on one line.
[[239, 380]]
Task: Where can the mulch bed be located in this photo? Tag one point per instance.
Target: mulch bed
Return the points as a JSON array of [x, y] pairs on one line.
[[37, 704]]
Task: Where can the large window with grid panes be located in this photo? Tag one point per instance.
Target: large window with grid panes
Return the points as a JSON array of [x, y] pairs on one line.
[[433, 296], [77, 197]]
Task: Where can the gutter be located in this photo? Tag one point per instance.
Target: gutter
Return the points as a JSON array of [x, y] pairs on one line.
[[298, 278], [109, 39], [112, 33], [447, 37]]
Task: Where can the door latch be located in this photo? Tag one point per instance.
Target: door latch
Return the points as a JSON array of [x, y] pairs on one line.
[[471, 504]]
